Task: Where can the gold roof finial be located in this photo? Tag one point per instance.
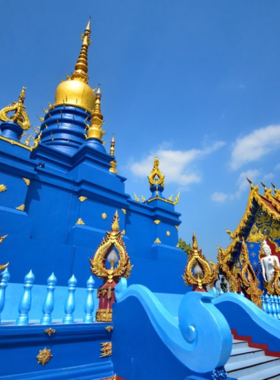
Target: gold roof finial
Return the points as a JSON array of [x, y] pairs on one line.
[[194, 244], [75, 91], [95, 130], [156, 177], [20, 116], [115, 224], [112, 153], [81, 67], [112, 148]]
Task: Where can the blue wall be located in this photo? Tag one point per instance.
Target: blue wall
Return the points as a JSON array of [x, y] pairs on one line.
[[45, 238]]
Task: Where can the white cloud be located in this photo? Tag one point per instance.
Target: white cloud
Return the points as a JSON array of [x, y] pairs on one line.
[[219, 197], [268, 177], [254, 146], [175, 164], [242, 185], [277, 167]]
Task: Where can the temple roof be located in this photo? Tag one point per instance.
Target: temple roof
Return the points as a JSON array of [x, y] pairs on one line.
[[269, 204]]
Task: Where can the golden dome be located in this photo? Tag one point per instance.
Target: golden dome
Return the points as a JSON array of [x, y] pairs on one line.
[[75, 93]]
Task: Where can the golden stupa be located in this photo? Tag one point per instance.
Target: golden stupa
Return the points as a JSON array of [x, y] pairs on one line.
[[75, 91]]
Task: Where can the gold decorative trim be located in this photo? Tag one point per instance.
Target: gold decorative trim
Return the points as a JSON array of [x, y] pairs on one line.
[[177, 246], [104, 315], [80, 222], [109, 328], [157, 221], [50, 331], [161, 199], [69, 104], [104, 215], [44, 356], [177, 228], [168, 233], [2, 188], [15, 143], [27, 181], [136, 198], [157, 241], [248, 277], [82, 198], [123, 232], [21, 207], [123, 210], [177, 199], [143, 199], [106, 349]]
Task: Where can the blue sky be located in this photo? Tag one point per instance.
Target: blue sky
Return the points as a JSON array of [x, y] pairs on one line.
[[195, 82]]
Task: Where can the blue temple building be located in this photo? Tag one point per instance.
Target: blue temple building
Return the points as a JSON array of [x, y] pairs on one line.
[[62, 202]]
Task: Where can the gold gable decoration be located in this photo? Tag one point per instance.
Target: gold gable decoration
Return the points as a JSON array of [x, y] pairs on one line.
[[199, 273], [20, 116], [250, 283]]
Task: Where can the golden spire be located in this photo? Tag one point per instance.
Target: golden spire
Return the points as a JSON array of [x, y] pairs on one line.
[[81, 68], [112, 148], [95, 130], [75, 91], [194, 244], [112, 153], [156, 177], [115, 224], [20, 116]]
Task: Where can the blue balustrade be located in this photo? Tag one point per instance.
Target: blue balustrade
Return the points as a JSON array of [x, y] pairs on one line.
[[4, 278], [89, 304], [26, 301], [69, 307], [48, 304]]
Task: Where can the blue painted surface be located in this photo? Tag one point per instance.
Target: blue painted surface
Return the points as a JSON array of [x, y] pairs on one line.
[[75, 349], [249, 320], [64, 167], [166, 344]]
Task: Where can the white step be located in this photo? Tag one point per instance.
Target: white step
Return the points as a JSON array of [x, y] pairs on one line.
[[270, 373], [251, 366], [245, 353], [239, 343]]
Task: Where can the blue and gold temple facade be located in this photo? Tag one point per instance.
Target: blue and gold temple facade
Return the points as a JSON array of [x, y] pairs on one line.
[[92, 280], [58, 197]]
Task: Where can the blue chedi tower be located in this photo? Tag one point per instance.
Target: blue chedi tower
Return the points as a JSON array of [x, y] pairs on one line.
[[60, 195]]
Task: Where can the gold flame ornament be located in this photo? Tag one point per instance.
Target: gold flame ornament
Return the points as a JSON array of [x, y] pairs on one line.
[[112, 275], [156, 177], [250, 283], [198, 272], [20, 116]]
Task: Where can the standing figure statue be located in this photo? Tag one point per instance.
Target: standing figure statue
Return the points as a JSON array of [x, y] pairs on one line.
[[268, 263]]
